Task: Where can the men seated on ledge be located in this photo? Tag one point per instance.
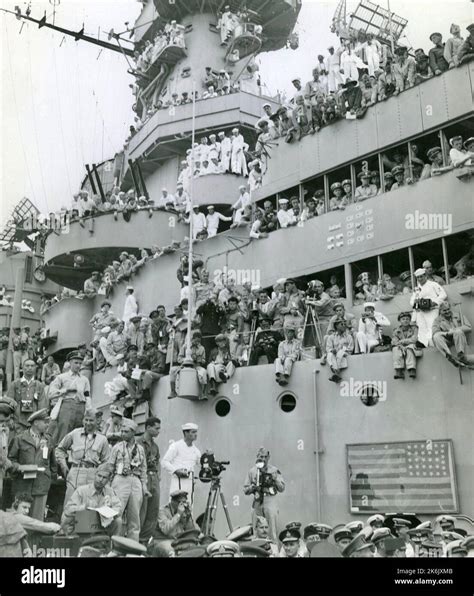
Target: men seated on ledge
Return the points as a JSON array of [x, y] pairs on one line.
[[449, 331]]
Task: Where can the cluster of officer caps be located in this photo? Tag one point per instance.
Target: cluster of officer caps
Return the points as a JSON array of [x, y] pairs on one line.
[[191, 544]]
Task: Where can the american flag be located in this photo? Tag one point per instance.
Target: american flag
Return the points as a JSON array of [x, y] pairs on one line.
[[415, 476]]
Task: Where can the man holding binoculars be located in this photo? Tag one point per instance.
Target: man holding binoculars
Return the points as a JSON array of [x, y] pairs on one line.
[[265, 481]]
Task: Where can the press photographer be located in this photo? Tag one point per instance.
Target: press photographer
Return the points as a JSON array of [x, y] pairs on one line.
[[264, 481], [173, 520]]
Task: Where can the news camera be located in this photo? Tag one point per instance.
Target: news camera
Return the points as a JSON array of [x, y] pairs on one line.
[[210, 467]]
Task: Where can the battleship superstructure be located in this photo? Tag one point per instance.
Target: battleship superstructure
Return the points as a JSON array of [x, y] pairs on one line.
[[308, 425]]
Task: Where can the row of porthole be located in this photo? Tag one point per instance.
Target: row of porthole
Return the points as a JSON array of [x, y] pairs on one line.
[[369, 396]]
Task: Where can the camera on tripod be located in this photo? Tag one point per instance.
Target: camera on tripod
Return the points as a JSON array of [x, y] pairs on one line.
[[210, 467]]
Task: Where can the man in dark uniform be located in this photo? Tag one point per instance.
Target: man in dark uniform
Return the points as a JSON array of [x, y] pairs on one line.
[[438, 63], [28, 393], [151, 505], [33, 448], [73, 391]]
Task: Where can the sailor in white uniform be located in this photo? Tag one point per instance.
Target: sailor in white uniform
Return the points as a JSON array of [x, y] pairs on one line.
[[425, 300], [181, 459]]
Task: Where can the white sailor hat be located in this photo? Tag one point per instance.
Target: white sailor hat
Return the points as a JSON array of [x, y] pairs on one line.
[[280, 281], [184, 162], [369, 305], [221, 133], [242, 186], [375, 518], [420, 272], [189, 426], [468, 141], [266, 105], [296, 79], [164, 189], [235, 130], [283, 201], [210, 207], [129, 424]]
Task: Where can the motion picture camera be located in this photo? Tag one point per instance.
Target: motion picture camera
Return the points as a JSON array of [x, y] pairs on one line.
[[210, 467]]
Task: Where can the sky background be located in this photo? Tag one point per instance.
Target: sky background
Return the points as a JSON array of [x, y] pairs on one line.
[[65, 104]]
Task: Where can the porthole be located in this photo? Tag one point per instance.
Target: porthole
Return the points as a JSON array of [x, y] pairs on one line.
[[222, 407], [369, 394], [287, 402]]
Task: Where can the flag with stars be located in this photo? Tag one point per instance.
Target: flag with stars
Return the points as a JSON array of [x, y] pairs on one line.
[[415, 476]]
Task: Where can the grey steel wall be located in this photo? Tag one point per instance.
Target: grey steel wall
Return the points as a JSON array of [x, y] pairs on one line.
[[70, 318], [141, 231], [435, 406], [418, 110]]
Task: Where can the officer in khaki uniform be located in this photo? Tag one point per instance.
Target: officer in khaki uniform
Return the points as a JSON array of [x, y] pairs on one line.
[[32, 447], [128, 461], [28, 393], [264, 481]]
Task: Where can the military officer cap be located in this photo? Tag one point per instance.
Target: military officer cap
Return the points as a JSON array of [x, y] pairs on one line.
[[39, 415], [291, 535], [405, 276], [388, 175], [445, 519], [336, 185], [416, 533], [220, 337], [419, 272], [127, 546], [363, 174], [380, 534], [404, 314], [289, 280], [240, 533], [401, 522], [197, 552], [132, 348], [95, 273], [318, 194], [355, 526], [468, 142], [346, 182], [341, 534], [364, 546], [189, 426], [433, 34], [7, 405], [452, 536], [74, 355], [223, 548], [425, 526], [129, 424], [353, 545], [468, 543], [400, 50], [375, 518], [106, 302], [255, 549], [322, 530], [456, 547], [178, 493], [296, 525], [186, 540], [432, 152], [398, 170]]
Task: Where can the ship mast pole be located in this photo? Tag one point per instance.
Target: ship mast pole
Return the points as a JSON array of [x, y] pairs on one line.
[[191, 233], [390, 25]]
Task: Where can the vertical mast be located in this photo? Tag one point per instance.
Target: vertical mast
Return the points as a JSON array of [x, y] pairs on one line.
[[191, 231]]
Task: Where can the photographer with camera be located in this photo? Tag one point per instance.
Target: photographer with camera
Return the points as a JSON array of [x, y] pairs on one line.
[[180, 460], [264, 481], [425, 300], [370, 328], [173, 520]]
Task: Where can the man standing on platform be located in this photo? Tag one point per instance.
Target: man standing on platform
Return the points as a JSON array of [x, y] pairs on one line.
[[265, 481], [180, 460], [73, 391], [129, 474], [151, 505], [33, 448], [87, 449], [28, 393]]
